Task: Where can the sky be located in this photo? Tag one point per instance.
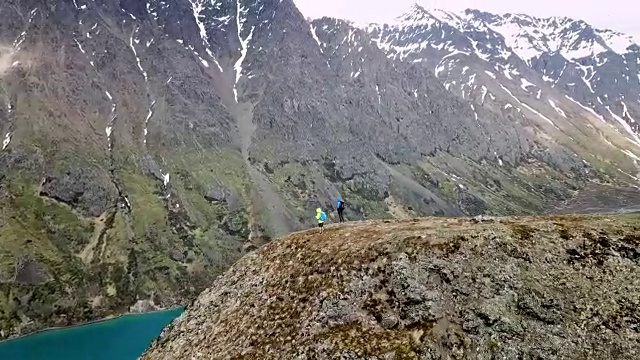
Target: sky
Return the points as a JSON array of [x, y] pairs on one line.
[[620, 15]]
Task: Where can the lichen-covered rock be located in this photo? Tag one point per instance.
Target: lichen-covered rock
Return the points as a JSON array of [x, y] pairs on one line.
[[531, 288], [216, 194]]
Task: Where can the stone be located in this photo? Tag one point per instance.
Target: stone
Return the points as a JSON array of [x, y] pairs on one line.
[[216, 194]]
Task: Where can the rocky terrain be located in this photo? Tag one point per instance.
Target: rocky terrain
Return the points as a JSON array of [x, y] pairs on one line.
[[576, 83], [561, 287], [148, 145]]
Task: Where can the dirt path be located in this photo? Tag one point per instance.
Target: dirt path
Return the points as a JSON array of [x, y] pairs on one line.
[[101, 225]]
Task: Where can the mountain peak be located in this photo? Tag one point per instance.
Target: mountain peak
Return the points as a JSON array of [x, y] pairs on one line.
[[415, 14]]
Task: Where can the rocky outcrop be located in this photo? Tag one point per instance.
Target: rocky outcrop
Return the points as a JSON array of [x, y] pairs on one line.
[[545, 287], [30, 271], [147, 145], [216, 194], [81, 188]]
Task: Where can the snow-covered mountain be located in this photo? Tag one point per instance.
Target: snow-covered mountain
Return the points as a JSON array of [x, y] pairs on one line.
[[146, 145], [531, 37], [544, 68]]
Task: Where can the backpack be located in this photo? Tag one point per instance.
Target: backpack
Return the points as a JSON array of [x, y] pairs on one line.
[[341, 204], [323, 216]]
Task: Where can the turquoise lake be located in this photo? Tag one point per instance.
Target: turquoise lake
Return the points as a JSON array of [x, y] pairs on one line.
[[124, 338]]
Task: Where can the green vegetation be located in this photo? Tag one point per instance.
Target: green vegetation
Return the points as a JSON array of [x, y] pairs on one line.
[[496, 190], [167, 249], [33, 224]]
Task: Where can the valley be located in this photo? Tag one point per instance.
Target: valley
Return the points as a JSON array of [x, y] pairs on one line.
[[149, 145]]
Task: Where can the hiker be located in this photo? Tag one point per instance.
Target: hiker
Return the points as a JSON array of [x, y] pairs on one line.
[[340, 207], [321, 216]]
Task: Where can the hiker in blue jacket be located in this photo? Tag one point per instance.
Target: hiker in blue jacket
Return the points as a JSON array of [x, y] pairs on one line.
[[340, 207], [321, 216]]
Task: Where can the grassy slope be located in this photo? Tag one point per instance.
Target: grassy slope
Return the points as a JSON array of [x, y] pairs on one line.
[[98, 266]]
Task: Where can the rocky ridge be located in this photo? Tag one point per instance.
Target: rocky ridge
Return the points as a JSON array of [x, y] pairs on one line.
[[148, 145], [560, 287], [546, 72]]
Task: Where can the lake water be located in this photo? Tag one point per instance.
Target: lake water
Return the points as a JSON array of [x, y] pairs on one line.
[[124, 338]]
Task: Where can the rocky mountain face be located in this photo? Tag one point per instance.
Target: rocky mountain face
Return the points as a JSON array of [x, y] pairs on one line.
[[543, 287], [558, 74], [147, 145]]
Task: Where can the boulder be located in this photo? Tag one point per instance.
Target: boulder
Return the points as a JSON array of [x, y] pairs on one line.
[[217, 194]]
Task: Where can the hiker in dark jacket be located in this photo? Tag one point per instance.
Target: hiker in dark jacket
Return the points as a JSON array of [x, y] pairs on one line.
[[340, 208]]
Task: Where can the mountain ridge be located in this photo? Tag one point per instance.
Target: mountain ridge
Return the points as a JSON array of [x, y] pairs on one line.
[[148, 145], [407, 289], [473, 28]]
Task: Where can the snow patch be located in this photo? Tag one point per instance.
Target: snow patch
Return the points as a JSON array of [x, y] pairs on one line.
[[625, 112], [79, 46], [135, 53], [492, 75], [440, 66], [146, 121], [624, 125], [587, 70], [472, 79], [506, 74], [197, 7], [528, 107], [6, 141], [484, 94], [315, 36], [525, 84], [560, 76], [244, 46], [631, 155], [547, 78], [553, 105], [586, 108]]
